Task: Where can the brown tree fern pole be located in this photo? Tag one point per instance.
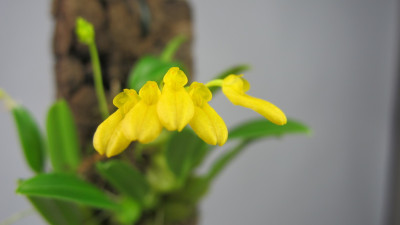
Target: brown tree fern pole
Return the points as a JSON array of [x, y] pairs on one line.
[[125, 30]]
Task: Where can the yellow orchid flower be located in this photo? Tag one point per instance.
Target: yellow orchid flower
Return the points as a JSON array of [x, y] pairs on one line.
[[141, 122], [234, 87], [206, 123], [142, 117], [175, 107], [108, 138]]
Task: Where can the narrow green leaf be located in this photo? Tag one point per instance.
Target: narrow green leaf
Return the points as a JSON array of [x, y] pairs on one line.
[[30, 138], [62, 138], [233, 70], [248, 132], [184, 152], [57, 212], [219, 165], [66, 187], [262, 128], [171, 48], [125, 179], [149, 68]]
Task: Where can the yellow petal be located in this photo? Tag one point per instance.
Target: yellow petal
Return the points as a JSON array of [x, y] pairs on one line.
[[236, 83], [199, 93], [107, 138], [206, 123], [126, 100], [175, 108], [209, 126], [141, 122], [175, 77], [118, 143], [150, 93], [234, 88]]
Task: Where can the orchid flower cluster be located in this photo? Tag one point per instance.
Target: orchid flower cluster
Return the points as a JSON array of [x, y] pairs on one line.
[[141, 117], [159, 182]]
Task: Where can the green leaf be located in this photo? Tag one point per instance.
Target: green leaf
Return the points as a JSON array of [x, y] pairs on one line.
[[62, 138], [248, 132], [219, 165], [130, 212], [262, 128], [233, 70], [57, 212], [125, 179], [184, 152], [30, 138], [66, 187], [171, 48], [149, 68]]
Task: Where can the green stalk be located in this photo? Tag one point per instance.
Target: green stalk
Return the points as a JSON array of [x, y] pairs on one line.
[[98, 80], [214, 83]]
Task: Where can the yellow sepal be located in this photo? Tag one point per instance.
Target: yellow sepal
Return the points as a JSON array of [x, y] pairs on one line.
[[206, 122], [108, 138], [234, 88], [142, 122], [175, 107], [126, 100]]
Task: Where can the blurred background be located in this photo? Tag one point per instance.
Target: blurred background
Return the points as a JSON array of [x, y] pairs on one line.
[[331, 64]]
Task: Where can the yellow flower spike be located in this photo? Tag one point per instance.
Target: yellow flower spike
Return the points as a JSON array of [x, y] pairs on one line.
[[108, 138], [234, 88], [142, 122], [175, 107], [206, 123]]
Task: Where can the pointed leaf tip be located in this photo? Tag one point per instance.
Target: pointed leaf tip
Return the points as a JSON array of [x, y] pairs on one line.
[[66, 187], [261, 128]]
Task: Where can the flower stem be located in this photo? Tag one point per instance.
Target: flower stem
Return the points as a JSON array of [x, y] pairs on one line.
[[215, 83], [98, 80]]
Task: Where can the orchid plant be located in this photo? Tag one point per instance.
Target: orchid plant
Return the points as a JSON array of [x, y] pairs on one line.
[[160, 185]]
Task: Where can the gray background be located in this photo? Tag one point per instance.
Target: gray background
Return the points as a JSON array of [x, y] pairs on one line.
[[328, 63]]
